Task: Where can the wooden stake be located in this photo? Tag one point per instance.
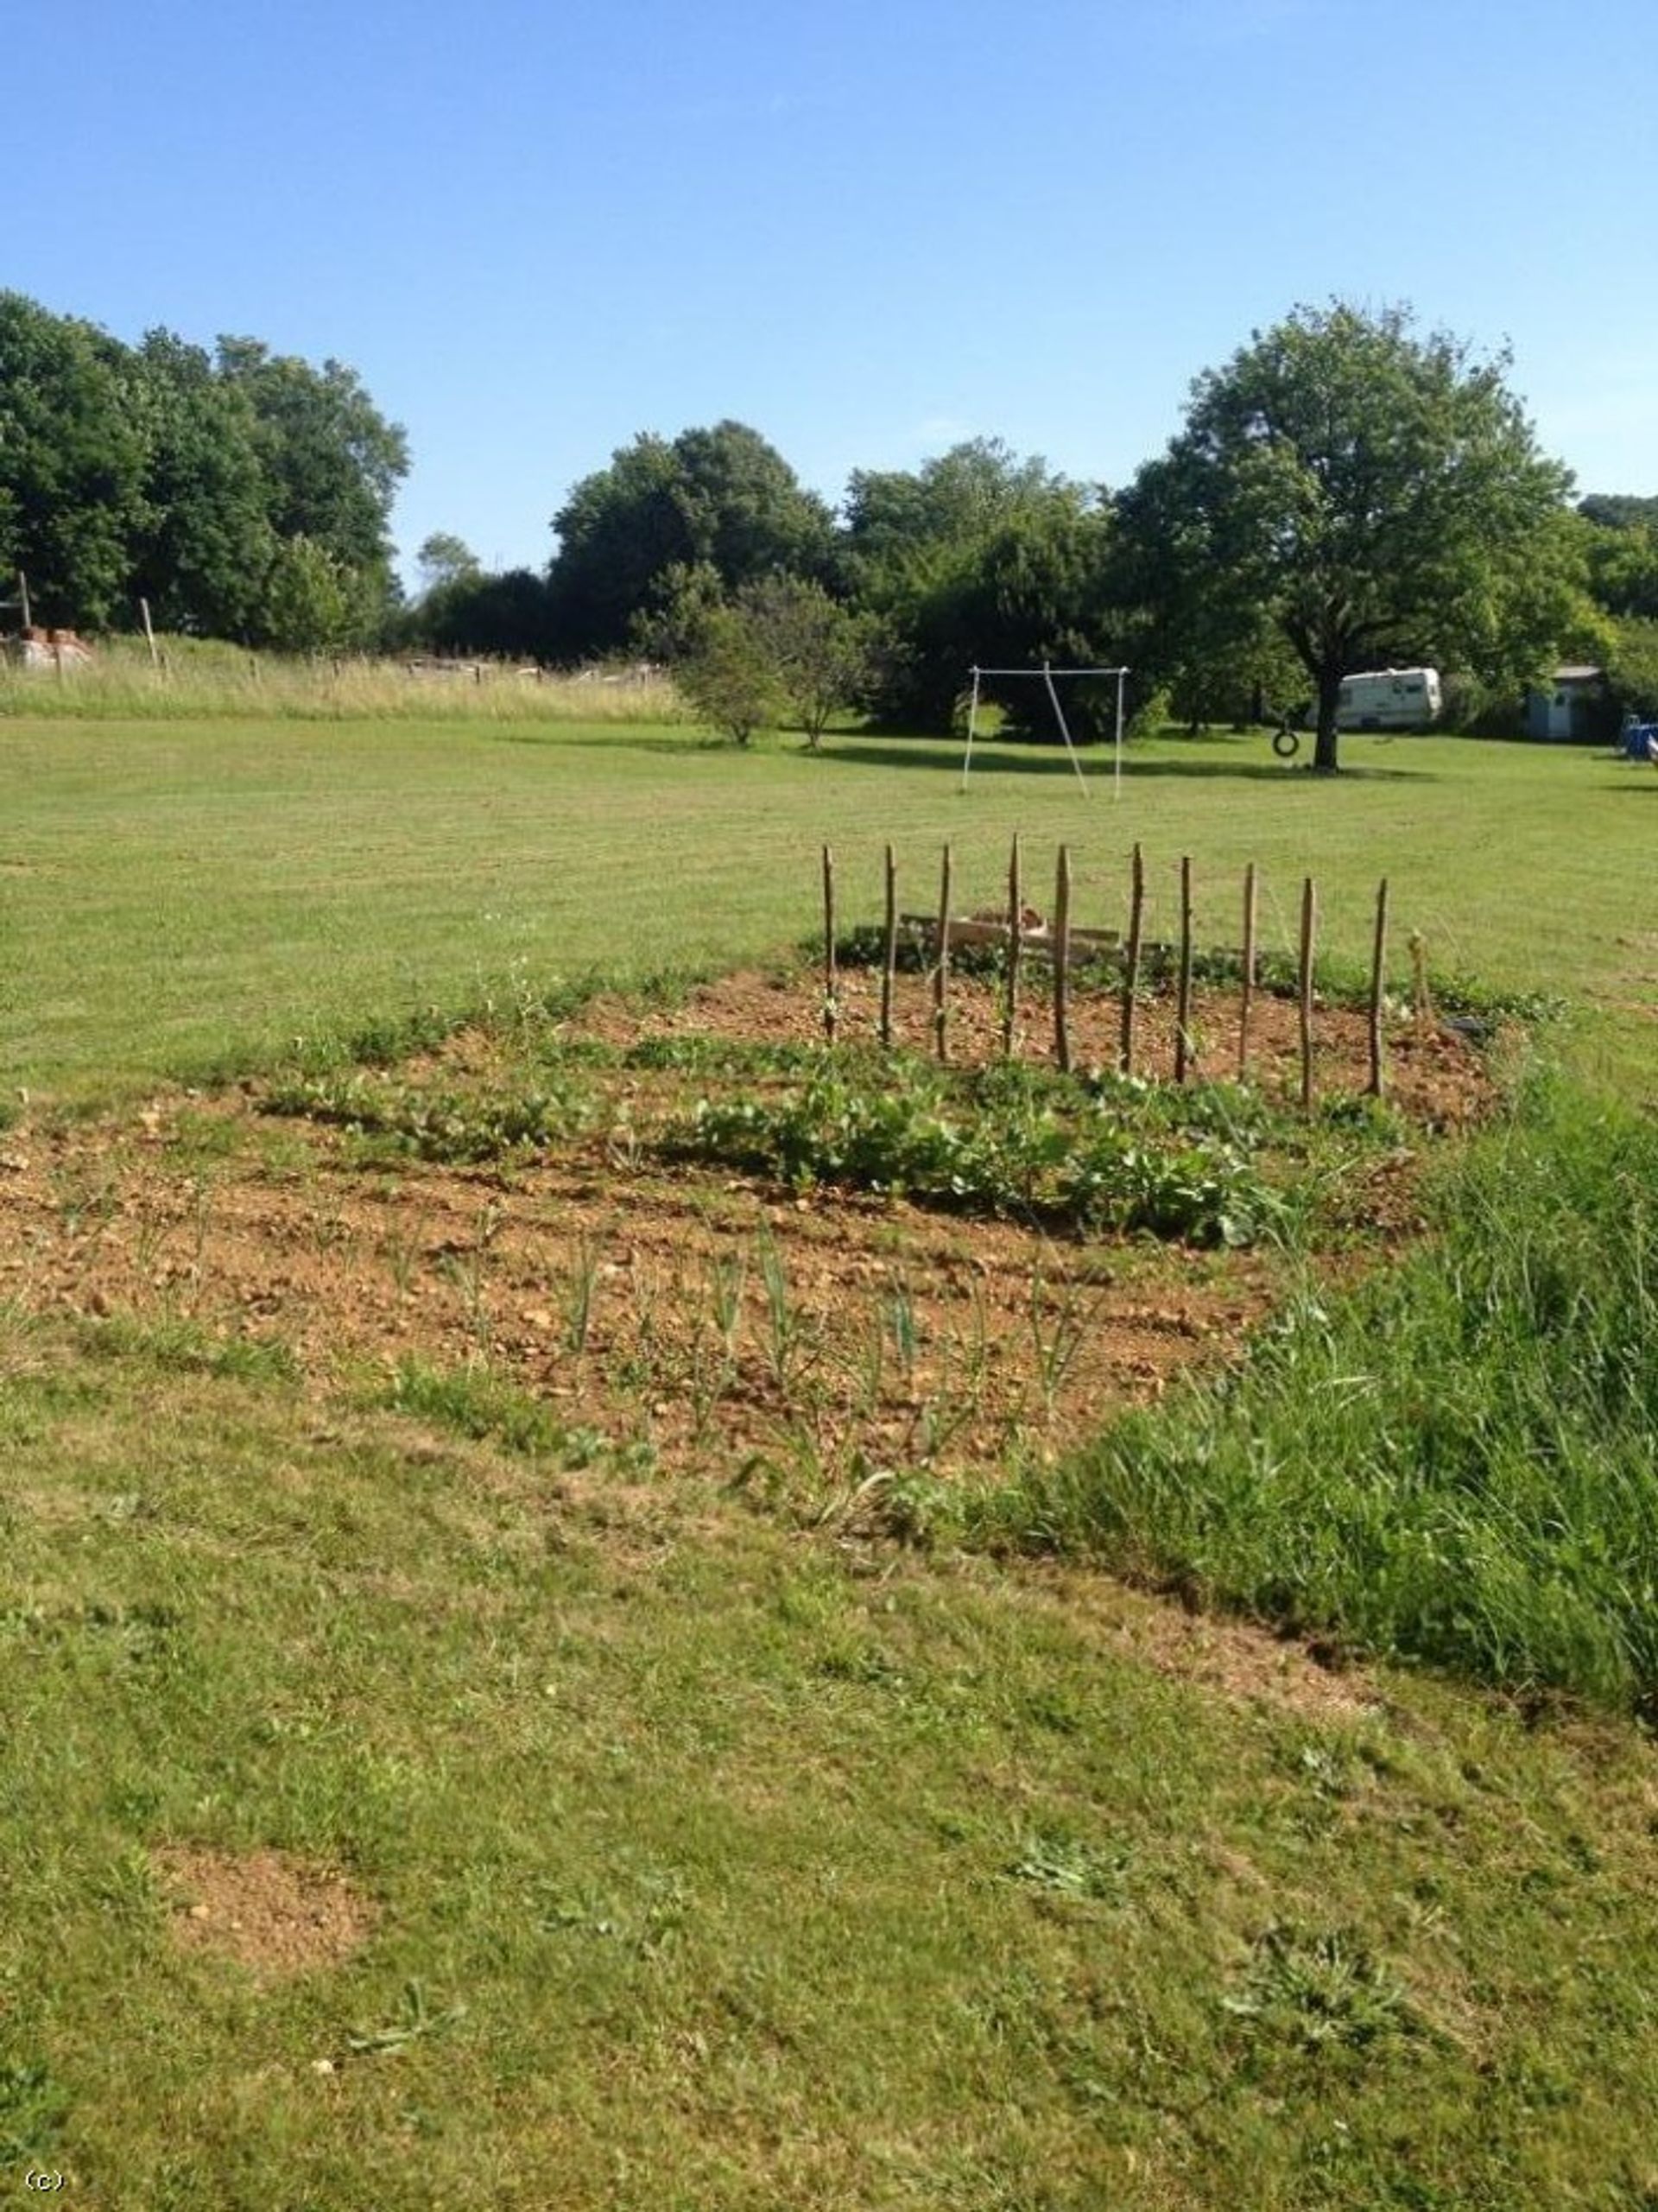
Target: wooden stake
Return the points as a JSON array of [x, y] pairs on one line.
[[1131, 963], [889, 951], [23, 593], [1183, 1000], [1015, 915], [1247, 994], [1062, 961], [831, 1009], [154, 657], [1309, 925], [941, 972], [1378, 992], [1422, 997]]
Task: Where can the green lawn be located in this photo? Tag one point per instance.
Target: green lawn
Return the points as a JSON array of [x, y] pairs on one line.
[[718, 1865], [714, 1859], [171, 898]]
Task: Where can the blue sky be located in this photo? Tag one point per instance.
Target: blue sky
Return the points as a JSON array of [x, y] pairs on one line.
[[868, 229]]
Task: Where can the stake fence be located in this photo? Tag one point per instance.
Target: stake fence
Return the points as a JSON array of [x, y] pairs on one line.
[[1022, 936]]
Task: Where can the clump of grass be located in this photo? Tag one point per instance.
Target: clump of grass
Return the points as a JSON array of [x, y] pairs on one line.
[[1452, 1463], [1319, 1990], [476, 1404], [179, 1346], [451, 1126]]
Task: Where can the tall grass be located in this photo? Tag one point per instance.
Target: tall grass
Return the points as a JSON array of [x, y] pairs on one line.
[[1454, 1462], [195, 679]]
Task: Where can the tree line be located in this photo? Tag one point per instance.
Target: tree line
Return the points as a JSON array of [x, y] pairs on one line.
[[1345, 491], [240, 493]]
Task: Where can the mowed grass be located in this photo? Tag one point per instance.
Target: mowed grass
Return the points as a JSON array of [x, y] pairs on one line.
[[710, 1865], [710, 1861], [181, 900]]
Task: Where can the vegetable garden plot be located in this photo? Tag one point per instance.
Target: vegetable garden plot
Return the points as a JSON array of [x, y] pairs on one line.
[[686, 1239]]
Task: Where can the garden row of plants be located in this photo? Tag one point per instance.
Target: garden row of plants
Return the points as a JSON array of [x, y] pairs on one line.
[[1094, 1154]]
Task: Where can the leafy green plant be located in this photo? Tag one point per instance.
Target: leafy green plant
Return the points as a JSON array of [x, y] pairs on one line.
[[1026, 1155], [1067, 1867], [33, 2109], [415, 2019], [579, 1294], [785, 1328], [1060, 1318]]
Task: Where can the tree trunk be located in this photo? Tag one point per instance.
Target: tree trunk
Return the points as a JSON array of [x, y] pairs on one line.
[[1324, 749]]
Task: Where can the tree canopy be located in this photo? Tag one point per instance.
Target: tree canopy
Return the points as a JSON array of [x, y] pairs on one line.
[[232, 491], [72, 462], [721, 498], [1344, 492], [979, 555], [1376, 495]]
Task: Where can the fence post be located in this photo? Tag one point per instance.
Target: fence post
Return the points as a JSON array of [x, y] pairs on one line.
[[889, 951], [1183, 994], [1247, 992], [941, 972], [1378, 991], [1062, 961], [831, 1008], [1131, 963], [1015, 913], [1309, 925]]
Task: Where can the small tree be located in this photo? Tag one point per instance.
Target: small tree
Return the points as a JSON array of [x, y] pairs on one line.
[[1632, 668], [729, 676], [313, 603], [820, 651]]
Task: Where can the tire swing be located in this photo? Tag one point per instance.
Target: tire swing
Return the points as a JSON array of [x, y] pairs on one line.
[[1285, 742]]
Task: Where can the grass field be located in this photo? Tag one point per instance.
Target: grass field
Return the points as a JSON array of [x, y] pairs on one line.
[[176, 899], [417, 1797]]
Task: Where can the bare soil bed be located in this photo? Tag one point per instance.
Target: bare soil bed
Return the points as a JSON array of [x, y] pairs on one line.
[[657, 1315], [271, 1913]]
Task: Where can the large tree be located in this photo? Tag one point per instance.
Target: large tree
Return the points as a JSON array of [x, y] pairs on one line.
[[331, 464], [979, 555], [721, 498], [233, 493], [73, 461], [203, 553], [1376, 495]]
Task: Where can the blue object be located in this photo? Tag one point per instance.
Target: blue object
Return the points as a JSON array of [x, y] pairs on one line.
[[1641, 741]]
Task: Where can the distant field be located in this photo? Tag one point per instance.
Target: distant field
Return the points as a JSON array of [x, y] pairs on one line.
[[177, 898]]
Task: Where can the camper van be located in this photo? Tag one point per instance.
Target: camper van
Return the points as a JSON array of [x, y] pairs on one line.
[[1389, 698]]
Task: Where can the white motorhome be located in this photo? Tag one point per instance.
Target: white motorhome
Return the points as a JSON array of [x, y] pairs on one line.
[[1389, 699]]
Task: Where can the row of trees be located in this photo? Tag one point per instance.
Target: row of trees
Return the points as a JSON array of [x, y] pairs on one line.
[[1345, 491], [243, 493]]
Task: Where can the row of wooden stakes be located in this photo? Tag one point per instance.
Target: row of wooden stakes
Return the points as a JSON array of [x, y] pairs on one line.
[[1059, 942]]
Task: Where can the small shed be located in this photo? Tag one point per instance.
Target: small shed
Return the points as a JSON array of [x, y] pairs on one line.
[[1567, 709]]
